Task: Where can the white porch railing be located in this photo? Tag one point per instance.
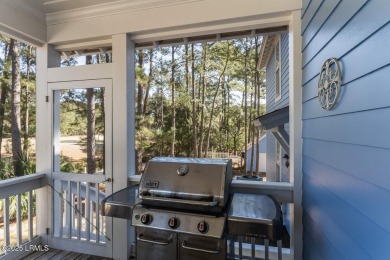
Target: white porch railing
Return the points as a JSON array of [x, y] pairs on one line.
[[13, 193], [25, 235], [78, 214]]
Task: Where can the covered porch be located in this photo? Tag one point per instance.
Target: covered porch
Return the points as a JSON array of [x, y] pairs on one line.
[[71, 28]]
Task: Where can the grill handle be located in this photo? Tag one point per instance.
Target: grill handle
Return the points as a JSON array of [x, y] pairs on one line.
[[142, 238], [185, 246], [188, 202]]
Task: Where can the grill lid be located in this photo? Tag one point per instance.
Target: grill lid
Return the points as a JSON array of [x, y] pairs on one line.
[[194, 182]]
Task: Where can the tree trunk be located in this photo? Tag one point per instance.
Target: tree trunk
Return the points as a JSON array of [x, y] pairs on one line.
[[162, 117], [103, 112], [214, 98], [228, 114], [26, 105], [15, 109], [91, 117], [246, 107], [253, 126], [187, 71], [149, 80], [257, 108], [203, 97], [139, 113], [194, 117], [107, 59], [4, 91], [140, 91], [3, 99], [173, 103]]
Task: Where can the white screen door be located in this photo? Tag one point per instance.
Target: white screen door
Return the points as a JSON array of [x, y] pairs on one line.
[[82, 165]]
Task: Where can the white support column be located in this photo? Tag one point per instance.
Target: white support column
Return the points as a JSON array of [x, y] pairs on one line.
[[47, 57], [123, 132], [295, 65]]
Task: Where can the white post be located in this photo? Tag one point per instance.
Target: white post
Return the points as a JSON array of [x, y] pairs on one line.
[[295, 71], [123, 133], [47, 57]]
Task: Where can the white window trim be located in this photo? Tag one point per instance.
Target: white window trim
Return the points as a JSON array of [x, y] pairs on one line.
[[278, 79]]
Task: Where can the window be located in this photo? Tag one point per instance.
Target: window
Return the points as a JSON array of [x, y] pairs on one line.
[[278, 160], [278, 85]]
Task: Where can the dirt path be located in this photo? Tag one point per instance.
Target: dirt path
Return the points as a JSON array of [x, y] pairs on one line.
[[70, 147]]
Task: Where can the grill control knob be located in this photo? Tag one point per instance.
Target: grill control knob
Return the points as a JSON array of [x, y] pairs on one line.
[[146, 219], [203, 227], [173, 223]]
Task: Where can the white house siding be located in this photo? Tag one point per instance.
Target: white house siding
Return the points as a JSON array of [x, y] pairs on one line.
[[346, 151], [272, 106]]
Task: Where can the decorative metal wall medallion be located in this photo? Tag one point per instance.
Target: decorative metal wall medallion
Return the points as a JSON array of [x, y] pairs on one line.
[[329, 83]]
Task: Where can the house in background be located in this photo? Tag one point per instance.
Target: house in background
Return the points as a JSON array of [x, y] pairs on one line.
[[274, 59], [261, 156], [339, 185]]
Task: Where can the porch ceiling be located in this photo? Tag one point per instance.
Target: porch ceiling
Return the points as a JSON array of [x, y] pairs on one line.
[[47, 7], [54, 6]]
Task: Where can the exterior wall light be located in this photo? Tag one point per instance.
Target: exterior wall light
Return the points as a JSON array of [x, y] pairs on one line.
[[286, 160]]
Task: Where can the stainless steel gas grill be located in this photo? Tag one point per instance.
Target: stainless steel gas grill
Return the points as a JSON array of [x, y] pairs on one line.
[[180, 211]]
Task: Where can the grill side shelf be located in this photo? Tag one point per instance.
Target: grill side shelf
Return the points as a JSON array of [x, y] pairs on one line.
[[121, 203]]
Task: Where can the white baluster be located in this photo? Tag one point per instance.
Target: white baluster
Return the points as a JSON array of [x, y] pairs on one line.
[[6, 221], [19, 219], [97, 212], [30, 216], [87, 211], [79, 215], [68, 208]]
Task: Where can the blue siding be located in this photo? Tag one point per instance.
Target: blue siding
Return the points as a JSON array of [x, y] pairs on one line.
[[271, 162], [272, 105], [312, 10], [305, 5], [346, 151], [318, 20], [270, 77], [262, 148]]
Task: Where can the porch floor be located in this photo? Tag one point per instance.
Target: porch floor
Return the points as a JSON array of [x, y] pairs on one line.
[[56, 254]]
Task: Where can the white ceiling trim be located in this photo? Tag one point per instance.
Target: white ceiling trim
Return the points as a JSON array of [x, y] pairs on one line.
[[109, 9], [49, 2], [226, 26], [20, 36], [194, 17], [17, 24], [29, 9], [85, 45]]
